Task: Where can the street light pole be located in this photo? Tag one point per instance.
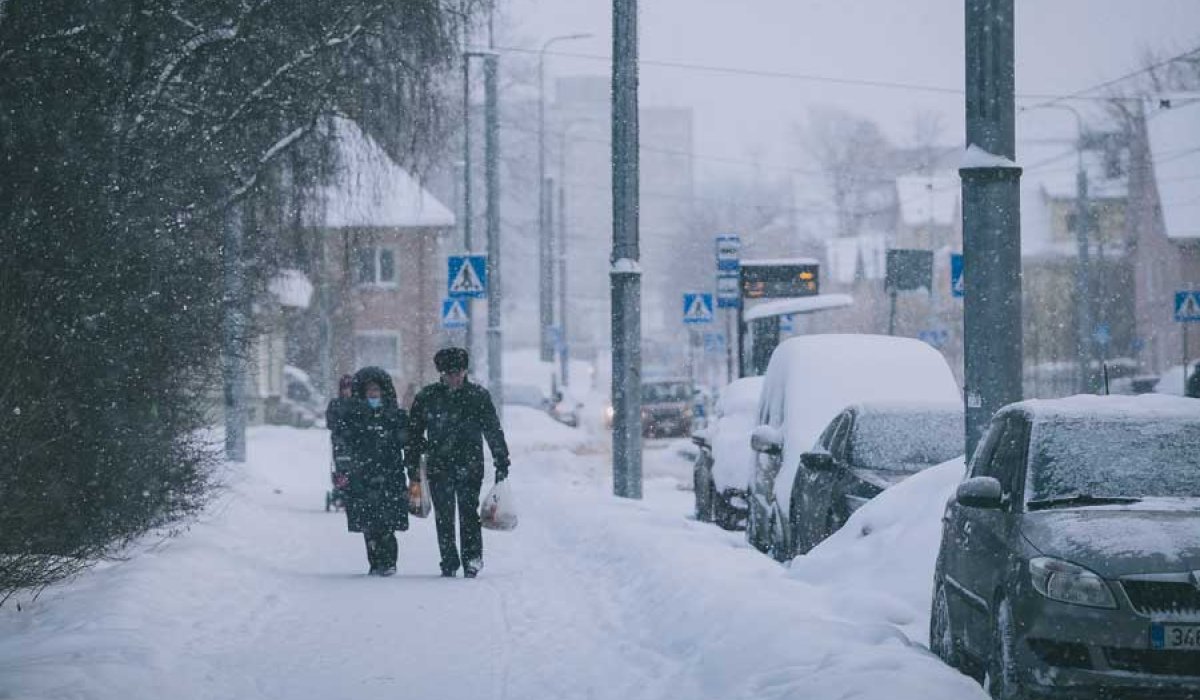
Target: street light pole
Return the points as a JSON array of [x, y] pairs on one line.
[[626, 274], [992, 340], [545, 262], [467, 213]]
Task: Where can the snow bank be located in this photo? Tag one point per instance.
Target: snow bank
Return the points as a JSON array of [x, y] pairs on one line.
[[737, 416], [528, 429], [722, 621], [879, 566]]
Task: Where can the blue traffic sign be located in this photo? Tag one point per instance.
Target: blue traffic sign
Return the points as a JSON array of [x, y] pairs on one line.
[[697, 308], [1187, 306], [714, 341], [956, 275], [466, 276], [454, 314], [729, 292]]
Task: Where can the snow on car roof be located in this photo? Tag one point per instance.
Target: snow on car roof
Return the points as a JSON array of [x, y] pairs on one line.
[[1090, 406], [908, 406]]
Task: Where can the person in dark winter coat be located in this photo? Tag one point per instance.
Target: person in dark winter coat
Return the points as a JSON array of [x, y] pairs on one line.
[[377, 493], [1193, 383], [449, 421]]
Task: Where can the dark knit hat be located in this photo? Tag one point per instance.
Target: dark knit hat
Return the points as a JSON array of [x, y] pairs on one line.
[[451, 360]]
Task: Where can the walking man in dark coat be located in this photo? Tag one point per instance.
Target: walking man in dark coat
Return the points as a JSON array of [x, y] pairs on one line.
[[449, 421], [376, 493]]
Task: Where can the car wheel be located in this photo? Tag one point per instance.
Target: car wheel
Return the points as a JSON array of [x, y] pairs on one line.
[[1000, 680], [778, 548], [941, 632], [722, 513]]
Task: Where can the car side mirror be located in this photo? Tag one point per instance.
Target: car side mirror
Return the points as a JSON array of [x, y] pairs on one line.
[[980, 492], [818, 461], [766, 440]]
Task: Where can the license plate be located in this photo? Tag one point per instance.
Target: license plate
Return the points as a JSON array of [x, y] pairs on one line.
[[1164, 636]]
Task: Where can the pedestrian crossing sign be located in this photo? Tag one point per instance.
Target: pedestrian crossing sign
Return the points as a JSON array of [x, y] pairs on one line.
[[454, 314], [697, 308], [467, 276], [1187, 306]]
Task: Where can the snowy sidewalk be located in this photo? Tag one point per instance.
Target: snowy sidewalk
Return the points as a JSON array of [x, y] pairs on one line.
[[590, 597]]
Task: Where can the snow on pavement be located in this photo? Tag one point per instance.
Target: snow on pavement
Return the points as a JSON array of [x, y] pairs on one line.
[[591, 597]]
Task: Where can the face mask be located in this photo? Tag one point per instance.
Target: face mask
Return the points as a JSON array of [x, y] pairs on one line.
[[374, 402]]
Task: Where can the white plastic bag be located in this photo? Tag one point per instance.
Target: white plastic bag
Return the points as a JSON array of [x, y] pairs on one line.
[[498, 511]]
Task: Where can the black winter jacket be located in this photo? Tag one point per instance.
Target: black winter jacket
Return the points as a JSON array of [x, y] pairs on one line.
[[449, 428], [377, 495]]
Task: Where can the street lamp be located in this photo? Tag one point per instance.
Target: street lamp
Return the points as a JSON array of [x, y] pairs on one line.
[[545, 264]]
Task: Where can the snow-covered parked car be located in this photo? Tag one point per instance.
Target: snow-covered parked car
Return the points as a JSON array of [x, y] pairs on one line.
[[725, 464], [1069, 564], [867, 448], [809, 380]]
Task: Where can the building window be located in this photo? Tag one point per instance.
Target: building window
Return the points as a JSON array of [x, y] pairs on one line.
[[375, 265], [377, 349]]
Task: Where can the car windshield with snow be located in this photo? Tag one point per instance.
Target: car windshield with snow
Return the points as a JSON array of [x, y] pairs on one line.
[[1070, 553], [1114, 457]]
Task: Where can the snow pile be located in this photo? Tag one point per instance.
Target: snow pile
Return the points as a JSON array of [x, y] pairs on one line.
[[531, 430], [879, 566]]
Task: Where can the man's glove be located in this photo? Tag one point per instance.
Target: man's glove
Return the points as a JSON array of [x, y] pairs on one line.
[[501, 472]]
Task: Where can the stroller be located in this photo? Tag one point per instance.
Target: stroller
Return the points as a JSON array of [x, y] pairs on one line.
[[335, 496]]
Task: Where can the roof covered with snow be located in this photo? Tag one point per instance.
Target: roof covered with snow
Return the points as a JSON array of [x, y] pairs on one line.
[[1154, 407], [1175, 149], [798, 305], [926, 199], [371, 191]]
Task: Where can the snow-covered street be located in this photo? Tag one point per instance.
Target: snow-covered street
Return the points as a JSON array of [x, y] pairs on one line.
[[590, 597]]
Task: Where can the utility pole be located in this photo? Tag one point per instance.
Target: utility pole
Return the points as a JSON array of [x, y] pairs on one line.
[[565, 354], [467, 213], [235, 336], [626, 272], [495, 344], [991, 219]]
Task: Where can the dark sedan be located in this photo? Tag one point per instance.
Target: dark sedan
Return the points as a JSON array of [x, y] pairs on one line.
[[867, 448], [1070, 557]]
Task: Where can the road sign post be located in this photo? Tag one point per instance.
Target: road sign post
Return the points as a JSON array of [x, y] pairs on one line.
[[454, 314], [1187, 310], [466, 276], [697, 308], [729, 294], [956, 275]]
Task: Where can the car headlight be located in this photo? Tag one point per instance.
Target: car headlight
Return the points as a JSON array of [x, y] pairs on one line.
[[609, 412], [1069, 583]]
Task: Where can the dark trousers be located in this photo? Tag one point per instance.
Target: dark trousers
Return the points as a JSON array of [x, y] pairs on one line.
[[382, 549], [448, 488]]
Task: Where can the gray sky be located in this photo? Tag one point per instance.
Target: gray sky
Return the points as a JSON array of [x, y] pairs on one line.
[[1062, 46]]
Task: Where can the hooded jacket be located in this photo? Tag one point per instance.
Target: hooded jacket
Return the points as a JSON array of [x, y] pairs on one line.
[[377, 495]]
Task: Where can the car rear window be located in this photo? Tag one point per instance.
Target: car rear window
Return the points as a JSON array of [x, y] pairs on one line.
[[1110, 457], [906, 441]]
